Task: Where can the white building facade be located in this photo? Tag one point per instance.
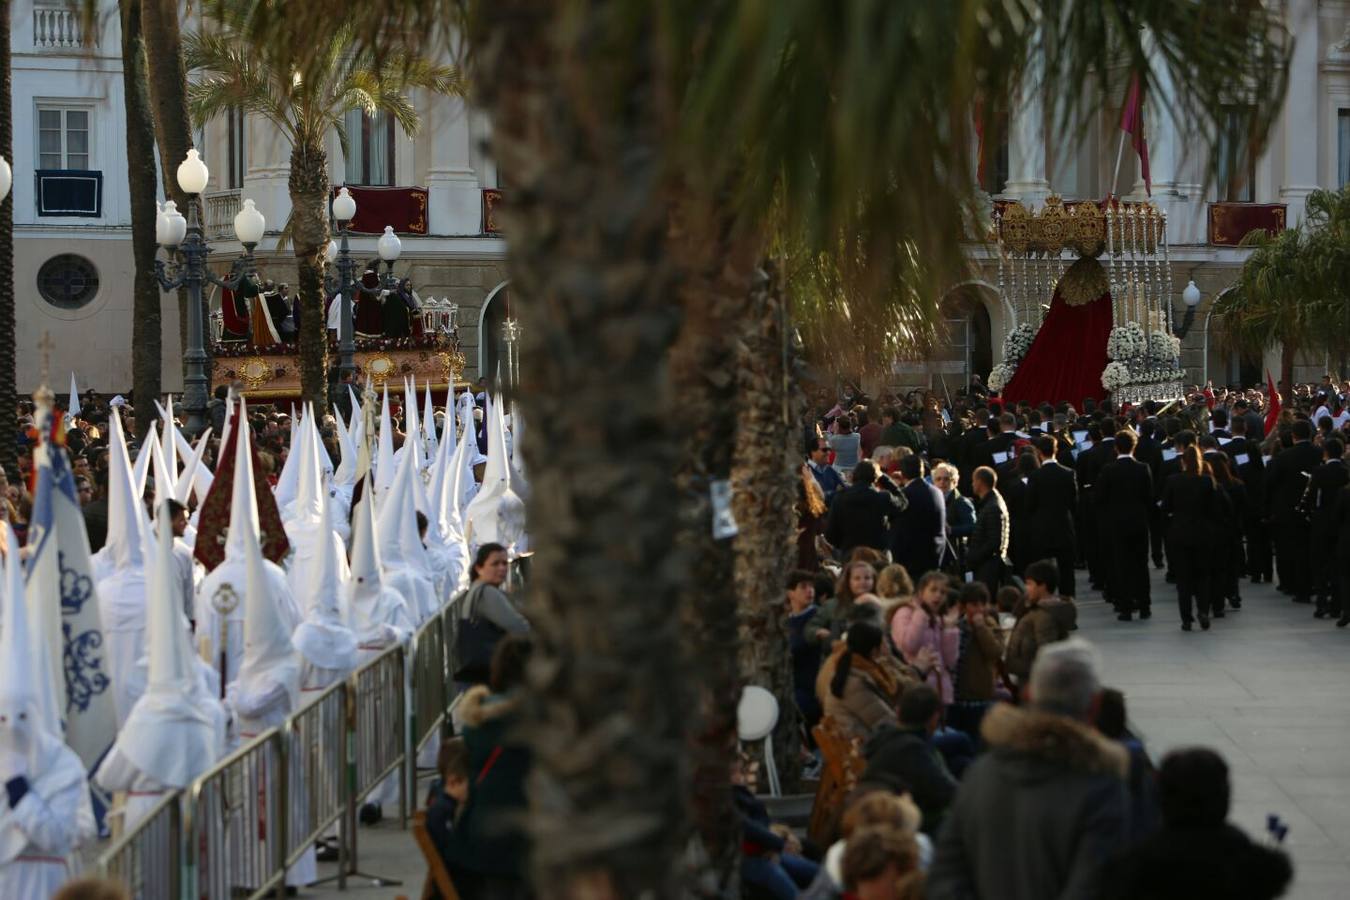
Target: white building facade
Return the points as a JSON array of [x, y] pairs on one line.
[[73, 258], [72, 223]]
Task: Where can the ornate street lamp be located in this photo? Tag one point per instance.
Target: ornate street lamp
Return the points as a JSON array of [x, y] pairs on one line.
[[186, 247], [346, 285]]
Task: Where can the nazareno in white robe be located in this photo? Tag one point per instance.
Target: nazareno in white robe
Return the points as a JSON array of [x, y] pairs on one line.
[[40, 836]]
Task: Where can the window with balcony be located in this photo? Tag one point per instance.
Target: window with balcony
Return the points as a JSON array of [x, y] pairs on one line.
[[370, 148], [236, 143], [63, 137], [1237, 156], [67, 184]]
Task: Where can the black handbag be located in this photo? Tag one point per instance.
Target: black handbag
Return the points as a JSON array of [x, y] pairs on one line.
[[475, 642]]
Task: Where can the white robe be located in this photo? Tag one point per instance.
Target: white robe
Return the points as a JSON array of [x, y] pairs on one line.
[[254, 715], [121, 608], [52, 820], [117, 773], [230, 577]]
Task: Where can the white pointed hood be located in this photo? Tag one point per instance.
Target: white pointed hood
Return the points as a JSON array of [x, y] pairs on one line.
[[25, 675], [496, 514], [444, 509], [143, 458], [169, 735], [164, 479], [125, 512], [193, 470], [308, 505], [384, 458], [288, 480], [73, 405], [269, 657], [463, 484], [323, 638], [346, 470], [396, 506], [356, 417], [243, 505], [365, 589], [429, 421], [168, 446]]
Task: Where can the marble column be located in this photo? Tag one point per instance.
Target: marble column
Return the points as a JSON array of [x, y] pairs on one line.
[[456, 201], [1300, 121], [1026, 137]]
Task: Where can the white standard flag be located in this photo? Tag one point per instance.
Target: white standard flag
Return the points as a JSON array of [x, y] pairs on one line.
[[60, 577]]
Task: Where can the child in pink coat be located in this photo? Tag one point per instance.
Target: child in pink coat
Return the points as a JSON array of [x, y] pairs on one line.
[[920, 624]]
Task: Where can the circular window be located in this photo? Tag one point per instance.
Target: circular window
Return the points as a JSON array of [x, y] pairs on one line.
[[67, 281]]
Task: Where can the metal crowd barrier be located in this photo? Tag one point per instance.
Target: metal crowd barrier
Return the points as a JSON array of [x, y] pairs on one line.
[[236, 822], [237, 828], [148, 859], [317, 738]]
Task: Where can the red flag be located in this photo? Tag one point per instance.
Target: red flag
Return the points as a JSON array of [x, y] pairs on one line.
[[1273, 413], [1132, 121], [1209, 396]]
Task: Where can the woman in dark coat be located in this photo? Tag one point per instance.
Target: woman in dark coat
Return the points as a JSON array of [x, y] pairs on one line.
[[1232, 512], [1189, 501]]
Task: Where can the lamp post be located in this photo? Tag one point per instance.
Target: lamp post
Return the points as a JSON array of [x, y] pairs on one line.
[[346, 285], [186, 247]]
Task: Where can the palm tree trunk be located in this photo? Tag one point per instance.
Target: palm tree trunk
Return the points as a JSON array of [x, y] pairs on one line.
[[9, 396], [173, 127], [716, 271], [147, 326], [578, 114], [768, 457], [309, 236]]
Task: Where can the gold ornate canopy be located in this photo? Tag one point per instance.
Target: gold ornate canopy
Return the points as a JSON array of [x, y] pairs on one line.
[[1037, 249]]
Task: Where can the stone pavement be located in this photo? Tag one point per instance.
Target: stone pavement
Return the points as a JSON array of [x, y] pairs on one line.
[[384, 851], [1266, 687]]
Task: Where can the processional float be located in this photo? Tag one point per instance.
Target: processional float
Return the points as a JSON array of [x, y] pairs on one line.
[[1089, 287]]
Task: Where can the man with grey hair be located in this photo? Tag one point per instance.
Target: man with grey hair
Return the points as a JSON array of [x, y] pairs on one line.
[[1038, 814]]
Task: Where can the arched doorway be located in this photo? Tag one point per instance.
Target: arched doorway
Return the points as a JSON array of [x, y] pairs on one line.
[[492, 316], [968, 348]]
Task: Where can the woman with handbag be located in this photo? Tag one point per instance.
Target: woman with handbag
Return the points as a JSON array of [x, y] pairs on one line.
[[486, 614]]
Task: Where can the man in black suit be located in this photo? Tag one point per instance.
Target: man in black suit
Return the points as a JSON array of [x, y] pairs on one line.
[[1052, 497], [1286, 478], [987, 551], [970, 446], [1096, 547], [1124, 493], [997, 452], [1149, 452], [1323, 490], [918, 532], [861, 513], [1218, 419], [1249, 466]]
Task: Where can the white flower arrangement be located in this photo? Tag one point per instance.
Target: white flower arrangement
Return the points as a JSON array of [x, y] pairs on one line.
[[1115, 376], [1163, 347], [999, 377], [1127, 342], [1018, 342]]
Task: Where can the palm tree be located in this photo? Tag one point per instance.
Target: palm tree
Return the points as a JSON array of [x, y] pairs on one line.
[[1292, 292], [260, 79], [853, 119], [9, 395], [167, 82], [147, 334]]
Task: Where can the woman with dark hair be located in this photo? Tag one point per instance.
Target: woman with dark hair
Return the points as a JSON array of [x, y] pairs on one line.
[[1189, 500], [488, 847], [1231, 508], [486, 613], [860, 694]]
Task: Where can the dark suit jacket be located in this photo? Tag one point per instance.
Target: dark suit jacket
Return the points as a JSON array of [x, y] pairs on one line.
[[999, 443], [1326, 483], [1124, 493], [1052, 497], [860, 517], [1190, 501], [915, 532], [1285, 480]]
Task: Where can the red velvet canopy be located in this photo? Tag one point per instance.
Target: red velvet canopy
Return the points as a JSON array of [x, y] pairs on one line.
[[1065, 361]]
